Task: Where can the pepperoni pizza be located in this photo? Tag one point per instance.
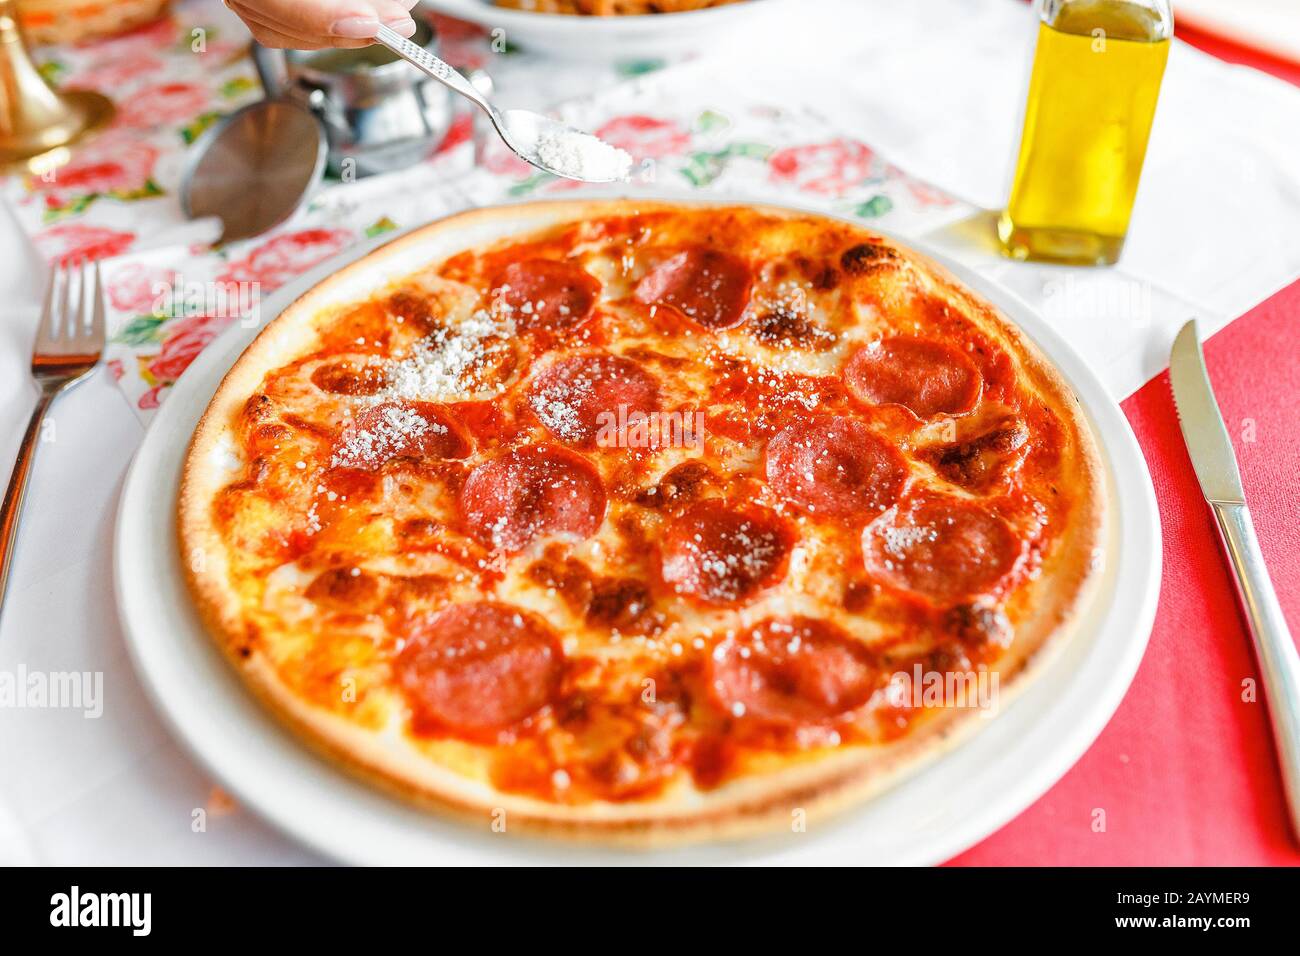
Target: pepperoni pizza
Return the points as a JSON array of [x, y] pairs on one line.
[[638, 521]]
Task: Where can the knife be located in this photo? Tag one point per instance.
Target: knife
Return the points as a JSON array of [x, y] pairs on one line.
[[1210, 449]]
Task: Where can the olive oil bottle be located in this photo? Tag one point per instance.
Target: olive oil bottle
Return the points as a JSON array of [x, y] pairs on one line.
[[1092, 98]]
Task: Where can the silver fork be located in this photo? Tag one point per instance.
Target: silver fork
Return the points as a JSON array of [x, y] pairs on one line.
[[68, 346]]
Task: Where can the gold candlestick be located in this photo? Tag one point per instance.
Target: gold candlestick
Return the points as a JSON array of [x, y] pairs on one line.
[[38, 125]]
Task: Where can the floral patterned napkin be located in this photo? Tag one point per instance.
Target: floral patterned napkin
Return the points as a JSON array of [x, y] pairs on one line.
[[169, 291]]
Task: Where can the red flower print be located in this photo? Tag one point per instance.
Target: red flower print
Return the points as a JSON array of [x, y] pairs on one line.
[[185, 339], [278, 260], [158, 35], [134, 288], [451, 30], [558, 185], [110, 73], [115, 369], [927, 195], [461, 44], [221, 51], [163, 104], [150, 398], [460, 131], [830, 169], [109, 164], [500, 159], [113, 62], [645, 137], [77, 242]]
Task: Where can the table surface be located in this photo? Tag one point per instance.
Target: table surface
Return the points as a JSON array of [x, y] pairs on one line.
[[1146, 773]]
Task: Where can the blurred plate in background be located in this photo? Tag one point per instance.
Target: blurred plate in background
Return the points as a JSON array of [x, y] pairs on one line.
[[666, 36]]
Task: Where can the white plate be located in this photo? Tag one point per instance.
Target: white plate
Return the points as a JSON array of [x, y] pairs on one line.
[[669, 35], [927, 818]]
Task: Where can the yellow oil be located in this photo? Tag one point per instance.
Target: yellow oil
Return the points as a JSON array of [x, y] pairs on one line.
[[1092, 98]]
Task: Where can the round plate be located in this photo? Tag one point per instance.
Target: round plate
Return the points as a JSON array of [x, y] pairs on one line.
[[662, 35], [929, 816]]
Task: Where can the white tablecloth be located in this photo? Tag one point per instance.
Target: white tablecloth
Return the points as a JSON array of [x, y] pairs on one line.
[[935, 85]]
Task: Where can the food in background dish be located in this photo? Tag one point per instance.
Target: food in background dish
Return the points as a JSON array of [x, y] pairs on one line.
[[611, 8]]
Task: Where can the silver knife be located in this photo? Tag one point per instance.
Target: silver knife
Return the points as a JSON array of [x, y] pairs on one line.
[[1216, 469]]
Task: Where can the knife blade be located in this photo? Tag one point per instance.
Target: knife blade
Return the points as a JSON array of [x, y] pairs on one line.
[[1199, 417], [1215, 465]]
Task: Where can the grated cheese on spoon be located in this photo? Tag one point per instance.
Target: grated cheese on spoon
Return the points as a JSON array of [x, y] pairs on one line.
[[579, 155]]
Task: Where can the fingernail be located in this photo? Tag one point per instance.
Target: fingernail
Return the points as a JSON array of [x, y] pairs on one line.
[[355, 28], [403, 25]]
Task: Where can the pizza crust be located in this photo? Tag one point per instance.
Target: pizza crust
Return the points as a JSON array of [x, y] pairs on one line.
[[740, 808]]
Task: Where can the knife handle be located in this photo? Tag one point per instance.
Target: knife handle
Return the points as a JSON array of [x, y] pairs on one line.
[[1279, 663]]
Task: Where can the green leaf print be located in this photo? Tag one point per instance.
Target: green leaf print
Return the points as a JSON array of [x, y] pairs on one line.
[[233, 89], [80, 204], [142, 330], [709, 121], [198, 125], [147, 191], [526, 186], [72, 208], [639, 67], [874, 207], [53, 71], [705, 167]]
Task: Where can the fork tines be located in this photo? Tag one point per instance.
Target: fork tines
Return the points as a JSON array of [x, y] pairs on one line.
[[73, 320]]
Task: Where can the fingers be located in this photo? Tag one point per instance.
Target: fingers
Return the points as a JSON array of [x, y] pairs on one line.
[[271, 35], [295, 24], [393, 11]]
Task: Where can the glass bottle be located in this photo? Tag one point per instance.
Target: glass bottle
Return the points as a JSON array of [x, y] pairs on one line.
[[1092, 98]]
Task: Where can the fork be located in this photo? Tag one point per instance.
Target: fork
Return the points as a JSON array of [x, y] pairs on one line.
[[67, 349]]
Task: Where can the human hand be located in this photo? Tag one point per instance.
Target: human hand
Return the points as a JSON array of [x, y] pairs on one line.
[[314, 24]]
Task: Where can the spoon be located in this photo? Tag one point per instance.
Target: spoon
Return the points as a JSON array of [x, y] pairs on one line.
[[549, 145]]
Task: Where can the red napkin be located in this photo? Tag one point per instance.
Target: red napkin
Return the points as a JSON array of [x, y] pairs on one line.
[[1185, 771]]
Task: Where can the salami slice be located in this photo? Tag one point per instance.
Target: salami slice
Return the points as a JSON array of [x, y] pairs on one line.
[[478, 667], [943, 549], [546, 295], [707, 286], [390, 430], [350, 378], [926, 377], [723, 555], [577, 397], [834, 467], [799, 671], [530, 492]]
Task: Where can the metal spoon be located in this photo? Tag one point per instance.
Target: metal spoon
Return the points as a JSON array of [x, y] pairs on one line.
[[521, 130]]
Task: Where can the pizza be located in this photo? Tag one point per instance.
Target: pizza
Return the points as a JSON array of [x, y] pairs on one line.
[[639, 522]]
